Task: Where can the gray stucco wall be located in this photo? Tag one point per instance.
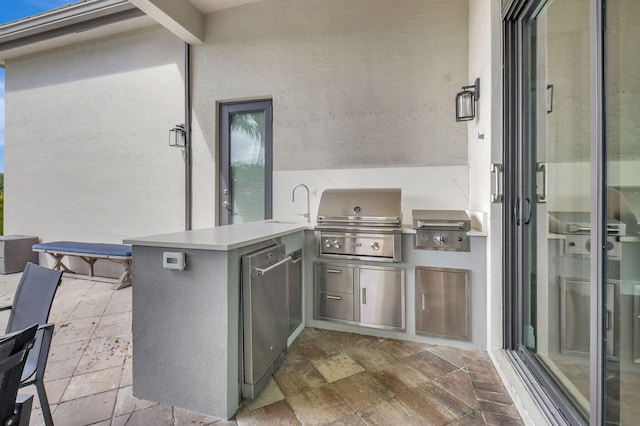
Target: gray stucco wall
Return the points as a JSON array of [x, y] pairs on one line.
[[87, 153], [185, 330], [355, 84]]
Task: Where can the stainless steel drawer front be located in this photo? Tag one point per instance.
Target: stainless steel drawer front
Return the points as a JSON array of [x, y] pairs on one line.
[[334, 278], [334, 305]]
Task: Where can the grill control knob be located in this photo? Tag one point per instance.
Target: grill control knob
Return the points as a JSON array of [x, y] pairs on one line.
[[328, 244], [375, 245], [440, 239], [337, 244]]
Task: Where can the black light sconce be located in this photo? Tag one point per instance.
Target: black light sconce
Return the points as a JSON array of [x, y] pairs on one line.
[[177, 136], [466, 102]]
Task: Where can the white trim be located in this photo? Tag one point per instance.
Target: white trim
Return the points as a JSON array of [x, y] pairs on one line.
[[178, 16], [20, 37]]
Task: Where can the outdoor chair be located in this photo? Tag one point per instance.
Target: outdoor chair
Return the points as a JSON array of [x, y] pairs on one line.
[[31, 305], [14, 350]]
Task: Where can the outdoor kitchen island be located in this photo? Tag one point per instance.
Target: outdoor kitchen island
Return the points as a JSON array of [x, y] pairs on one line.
[[186, 324], [186, 318]]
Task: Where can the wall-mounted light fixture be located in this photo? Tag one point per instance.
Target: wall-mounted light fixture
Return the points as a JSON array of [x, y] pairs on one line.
[[466, 102], [177, 136]]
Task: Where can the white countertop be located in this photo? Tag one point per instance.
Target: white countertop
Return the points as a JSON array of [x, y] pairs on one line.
[[221, 238], [230, 237]]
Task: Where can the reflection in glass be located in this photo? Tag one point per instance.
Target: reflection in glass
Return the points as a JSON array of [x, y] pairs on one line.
[[556, 265], [622, 123], [247, 166]]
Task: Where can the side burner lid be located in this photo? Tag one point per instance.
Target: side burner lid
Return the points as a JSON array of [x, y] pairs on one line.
[[443, 219]]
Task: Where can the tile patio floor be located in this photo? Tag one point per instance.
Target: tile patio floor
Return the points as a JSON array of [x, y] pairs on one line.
[[327, 377]]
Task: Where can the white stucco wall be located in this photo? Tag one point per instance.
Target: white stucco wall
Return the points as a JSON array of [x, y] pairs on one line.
[[357, 84], [87, 155]]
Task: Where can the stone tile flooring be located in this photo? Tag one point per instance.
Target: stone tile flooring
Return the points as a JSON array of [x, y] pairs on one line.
[[337, 378], [327, 377]]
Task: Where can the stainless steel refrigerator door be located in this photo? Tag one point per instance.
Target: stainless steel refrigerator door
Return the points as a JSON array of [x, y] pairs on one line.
[[265, 312]]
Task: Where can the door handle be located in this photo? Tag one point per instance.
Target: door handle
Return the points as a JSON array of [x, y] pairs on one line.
[[364, 295], [334, 297], [227, 205], [423, 302], [497, 170], [334, 271], [262, 271], [542, 168], [530, 213]]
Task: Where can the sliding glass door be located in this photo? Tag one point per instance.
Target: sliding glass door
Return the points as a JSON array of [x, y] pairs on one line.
[[622, 148], [572, 203], [555, 202]]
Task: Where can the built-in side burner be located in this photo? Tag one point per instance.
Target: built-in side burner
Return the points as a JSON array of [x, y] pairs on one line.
[[441, 230], [576, 226]]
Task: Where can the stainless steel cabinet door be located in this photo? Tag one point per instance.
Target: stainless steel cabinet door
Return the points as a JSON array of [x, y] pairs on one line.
[[575, 301], [382, 301], [443, 302]]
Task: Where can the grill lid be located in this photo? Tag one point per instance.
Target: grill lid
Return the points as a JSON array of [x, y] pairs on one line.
[[370, 206], [441, 219], [623, 204]]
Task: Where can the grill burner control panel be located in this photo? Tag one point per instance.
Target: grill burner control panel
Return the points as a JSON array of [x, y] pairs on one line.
[[441, 230], [374, 245], [450, 240]]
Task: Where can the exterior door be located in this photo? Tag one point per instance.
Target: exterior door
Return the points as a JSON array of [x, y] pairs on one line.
[[555, 206], [245, 162], [622, 193], [548, 198], [572, 205]]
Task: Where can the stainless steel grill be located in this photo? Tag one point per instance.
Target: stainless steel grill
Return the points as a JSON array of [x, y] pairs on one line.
[[576, 226], [363, 224], [624, 205], [441, 230]]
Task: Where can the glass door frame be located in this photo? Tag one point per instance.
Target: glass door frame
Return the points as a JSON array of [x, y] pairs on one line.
[[225, 110], [516, 15]]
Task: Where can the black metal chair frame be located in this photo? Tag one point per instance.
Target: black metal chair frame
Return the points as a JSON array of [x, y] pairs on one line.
[[31, 305], [14, 350]]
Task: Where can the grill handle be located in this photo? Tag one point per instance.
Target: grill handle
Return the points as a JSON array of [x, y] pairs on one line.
[[441, 225], [359, 219]]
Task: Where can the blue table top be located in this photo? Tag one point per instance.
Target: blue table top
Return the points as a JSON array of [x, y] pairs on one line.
[[87, 248]]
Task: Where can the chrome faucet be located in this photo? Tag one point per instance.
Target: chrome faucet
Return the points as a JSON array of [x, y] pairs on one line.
[[293, 199]]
